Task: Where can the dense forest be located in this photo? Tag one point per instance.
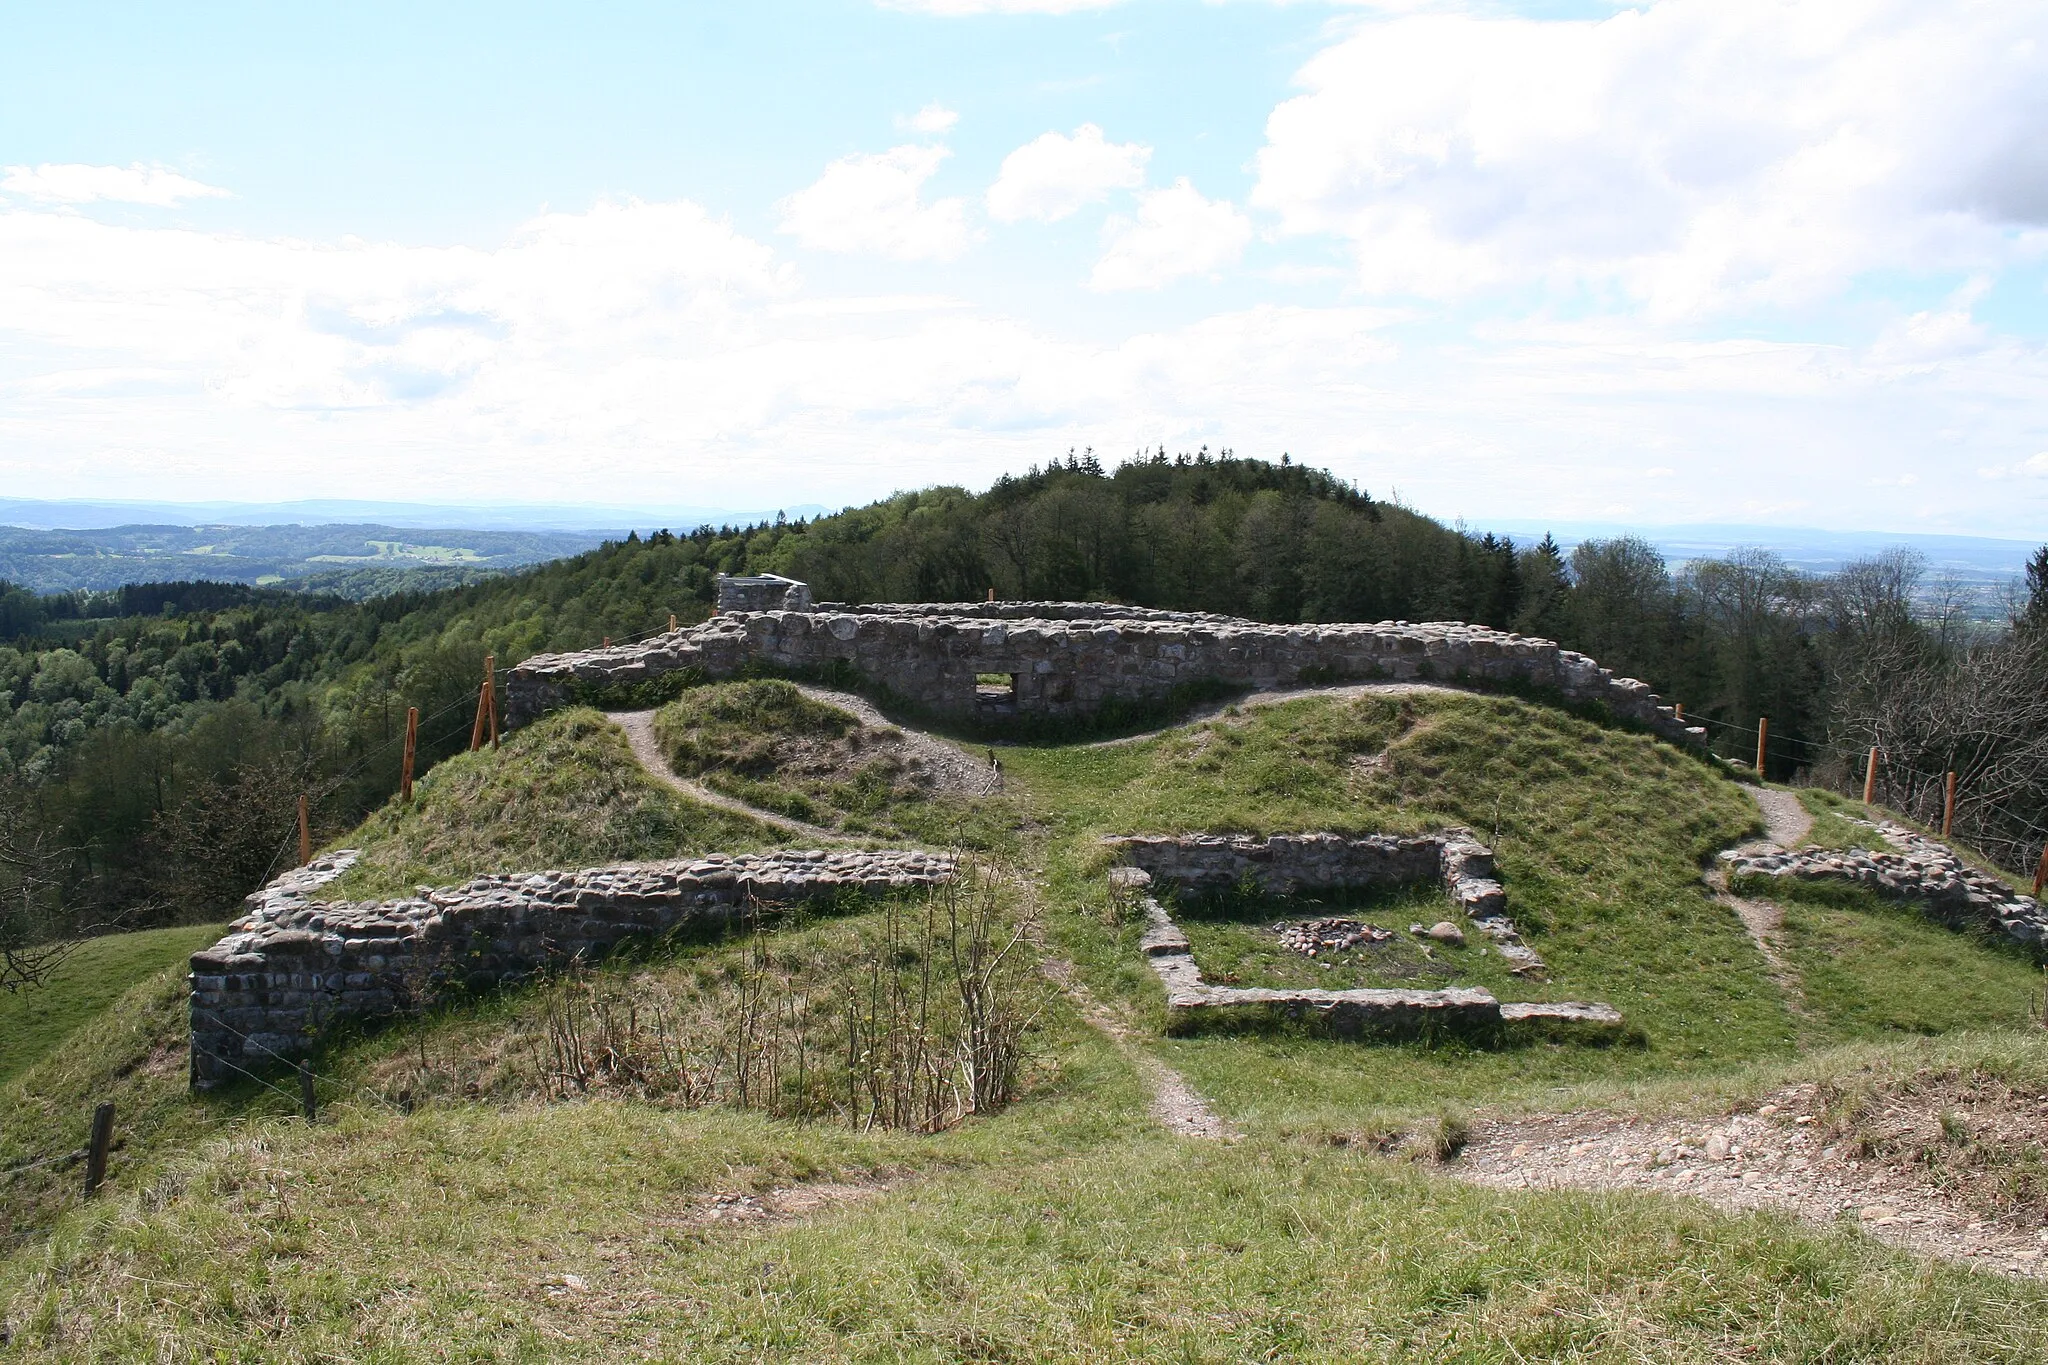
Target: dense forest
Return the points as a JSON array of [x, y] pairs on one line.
[[153, 739]]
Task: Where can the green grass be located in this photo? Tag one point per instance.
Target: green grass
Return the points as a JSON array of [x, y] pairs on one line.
[[1068, 1227], [32, 1022], [766, 743], [565, 791], [1235, 944], [1871, 966]]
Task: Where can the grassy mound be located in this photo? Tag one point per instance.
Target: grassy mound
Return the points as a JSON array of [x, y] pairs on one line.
[[571, 1172], [565, 791], [1602, 837], [33, 1022], [766, 743]]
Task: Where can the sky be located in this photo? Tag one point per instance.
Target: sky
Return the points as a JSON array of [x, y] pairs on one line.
[[1692, 260]]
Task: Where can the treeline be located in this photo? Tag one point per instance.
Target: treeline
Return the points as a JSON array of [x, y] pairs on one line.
[[153, 739]]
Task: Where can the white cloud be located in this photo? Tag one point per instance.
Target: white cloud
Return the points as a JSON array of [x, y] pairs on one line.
[[1694, 155], [1175, 234], [1053, 175], [934, 120], [648, 352], [74, 184], [2033, 467], [873, 205]]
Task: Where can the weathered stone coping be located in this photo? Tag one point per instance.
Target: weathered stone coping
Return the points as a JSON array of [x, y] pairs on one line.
[[1193, 1005], [292, 967], [1069, 659], [1915, 868], [1284, 864]]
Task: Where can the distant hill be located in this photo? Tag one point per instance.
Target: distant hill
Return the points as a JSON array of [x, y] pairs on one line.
[[605, 522], [359, 560]]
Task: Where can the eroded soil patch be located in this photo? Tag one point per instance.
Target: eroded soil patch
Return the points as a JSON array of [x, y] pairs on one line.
[[1936, 1163]]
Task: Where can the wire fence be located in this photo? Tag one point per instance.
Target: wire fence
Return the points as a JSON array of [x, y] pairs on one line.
[[2012, 817]]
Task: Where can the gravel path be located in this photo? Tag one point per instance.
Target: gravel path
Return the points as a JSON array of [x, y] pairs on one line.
[[639, 728], [952, 768], [1786, 825], [1175, 1103], [1278, 695], [1770, 1159]]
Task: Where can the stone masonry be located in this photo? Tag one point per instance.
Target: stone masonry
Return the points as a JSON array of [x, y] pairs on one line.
[[292, 968], [1192, 1005], [1282, 864], [1069, 658], [1915, 868]]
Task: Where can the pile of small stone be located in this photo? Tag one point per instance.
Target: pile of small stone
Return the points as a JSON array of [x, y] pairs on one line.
[[1914, 868], [1320, 937]]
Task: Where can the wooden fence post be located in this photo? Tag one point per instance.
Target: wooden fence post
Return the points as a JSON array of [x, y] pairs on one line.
[[305, 832], [1870, 777], [991, 594], [671, 623], [2041, 872], [1763, 730], [1678, 712], [1948, 807], [96, 1147], [307, 1100], [412, 739], [486, 701]]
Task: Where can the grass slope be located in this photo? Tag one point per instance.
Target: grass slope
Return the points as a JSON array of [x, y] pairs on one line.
[[1067, 1227], [564, 792], [32, 1022], [766, 743]]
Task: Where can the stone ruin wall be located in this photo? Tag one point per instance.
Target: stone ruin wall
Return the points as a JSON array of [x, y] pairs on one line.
[[1068, 659], [1284, 864], [1914, 868], [293, 968]]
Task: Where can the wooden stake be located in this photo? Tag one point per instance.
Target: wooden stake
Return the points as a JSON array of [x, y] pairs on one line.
[[2041, 872], [96, 1148], [494, 703], [671, 623], [1763, 730], [412, 739], [305, 833], [308, 1101], [1678, 712], [485, 698], [1948, 807], [991, 594], [1870, 777], [607, 642]]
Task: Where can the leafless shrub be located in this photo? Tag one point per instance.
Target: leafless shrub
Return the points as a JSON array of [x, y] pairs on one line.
[[917, 1023]]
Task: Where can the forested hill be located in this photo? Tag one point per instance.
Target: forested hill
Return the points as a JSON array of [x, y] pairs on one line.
[[152, 740]]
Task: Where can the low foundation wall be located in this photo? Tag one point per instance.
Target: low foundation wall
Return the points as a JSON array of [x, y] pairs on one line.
[[1917, 869], [1069, 659], [293, 967], [1194, 1006], [1284, 864]]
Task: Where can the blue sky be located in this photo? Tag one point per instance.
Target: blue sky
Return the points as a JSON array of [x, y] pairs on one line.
[[1736, 260]]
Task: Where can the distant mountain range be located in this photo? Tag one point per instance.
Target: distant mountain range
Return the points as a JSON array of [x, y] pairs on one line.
[[83, 514], [360, 560], [1972, 559]]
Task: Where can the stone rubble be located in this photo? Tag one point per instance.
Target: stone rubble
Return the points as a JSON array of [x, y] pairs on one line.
[[1069, 658], [292, 967], [1193, 1005], [1915, 868], [1315, 937], [1284, 864]]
